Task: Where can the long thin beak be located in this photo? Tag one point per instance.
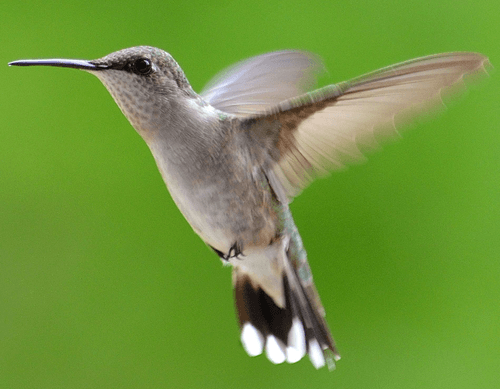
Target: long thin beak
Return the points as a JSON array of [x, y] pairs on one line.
[[63, 63]]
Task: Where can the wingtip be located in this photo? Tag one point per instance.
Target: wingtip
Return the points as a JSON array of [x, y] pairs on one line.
[[486, 67]]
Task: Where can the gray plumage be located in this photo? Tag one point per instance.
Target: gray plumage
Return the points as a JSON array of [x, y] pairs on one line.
[[234, 156]]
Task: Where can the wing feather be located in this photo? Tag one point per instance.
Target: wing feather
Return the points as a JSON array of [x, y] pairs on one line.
[[256, 84], [334, 126]]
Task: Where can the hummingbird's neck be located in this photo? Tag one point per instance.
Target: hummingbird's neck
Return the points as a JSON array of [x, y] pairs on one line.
[[191, 130], [189, 149]]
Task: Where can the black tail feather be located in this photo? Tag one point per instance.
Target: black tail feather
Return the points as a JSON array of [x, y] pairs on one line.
[[258, 311]]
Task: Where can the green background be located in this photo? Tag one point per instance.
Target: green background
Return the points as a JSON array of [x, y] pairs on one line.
[[103, 284]]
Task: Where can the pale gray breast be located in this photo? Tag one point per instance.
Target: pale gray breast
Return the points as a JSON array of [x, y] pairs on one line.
[[224, 195]]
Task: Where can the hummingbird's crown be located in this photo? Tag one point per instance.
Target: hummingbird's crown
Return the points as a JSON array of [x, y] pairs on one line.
[[144, 60]]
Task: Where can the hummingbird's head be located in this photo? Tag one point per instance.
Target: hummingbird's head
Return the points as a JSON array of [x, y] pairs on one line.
[[144, 81]]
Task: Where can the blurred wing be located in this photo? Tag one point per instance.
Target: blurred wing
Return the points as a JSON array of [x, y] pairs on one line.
[[259, 83], [330, 127]]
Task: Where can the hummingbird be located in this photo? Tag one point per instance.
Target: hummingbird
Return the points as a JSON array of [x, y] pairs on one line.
[[235, 155]]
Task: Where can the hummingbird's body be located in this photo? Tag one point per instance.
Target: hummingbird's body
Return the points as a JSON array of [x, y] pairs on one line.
[[234, 157]]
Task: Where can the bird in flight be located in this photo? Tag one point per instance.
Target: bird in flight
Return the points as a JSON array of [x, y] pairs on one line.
[[234, 156]]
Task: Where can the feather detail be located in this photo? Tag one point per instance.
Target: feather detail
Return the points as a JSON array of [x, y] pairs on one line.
[[334, 126], [257, 84], [286, 327]]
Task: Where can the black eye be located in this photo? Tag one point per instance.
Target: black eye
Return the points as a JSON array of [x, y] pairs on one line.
[[143, 66]]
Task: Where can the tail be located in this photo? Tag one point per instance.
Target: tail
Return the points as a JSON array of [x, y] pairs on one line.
[[285, 319]]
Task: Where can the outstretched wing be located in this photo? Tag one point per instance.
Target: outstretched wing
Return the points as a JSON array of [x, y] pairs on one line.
[[332, 126], [257, 84]]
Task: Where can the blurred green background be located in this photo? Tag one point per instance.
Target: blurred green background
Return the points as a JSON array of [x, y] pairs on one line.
[[103, 284]]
